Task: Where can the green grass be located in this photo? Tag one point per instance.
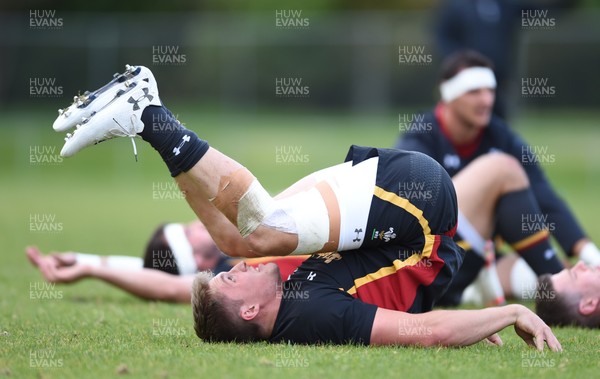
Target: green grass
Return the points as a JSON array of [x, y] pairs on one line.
[[104, 202]]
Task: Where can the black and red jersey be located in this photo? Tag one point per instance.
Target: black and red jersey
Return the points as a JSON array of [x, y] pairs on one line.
[[406, 263]]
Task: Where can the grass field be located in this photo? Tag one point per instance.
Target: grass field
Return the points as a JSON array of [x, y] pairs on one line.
[[103, 202]]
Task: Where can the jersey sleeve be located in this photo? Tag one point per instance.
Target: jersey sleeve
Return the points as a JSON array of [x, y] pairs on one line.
[[562, 222]]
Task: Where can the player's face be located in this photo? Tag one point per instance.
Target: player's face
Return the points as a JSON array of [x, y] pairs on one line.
[[206, 253], [579, 278], [253, 284], [474, 108]]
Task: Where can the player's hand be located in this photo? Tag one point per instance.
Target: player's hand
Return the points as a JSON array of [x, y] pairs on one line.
[[35, 256], [60, 259], [64, 259], [534, 331], [53, 270]]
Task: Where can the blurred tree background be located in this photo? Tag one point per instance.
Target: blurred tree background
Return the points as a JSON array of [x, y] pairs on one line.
[[229, 54]]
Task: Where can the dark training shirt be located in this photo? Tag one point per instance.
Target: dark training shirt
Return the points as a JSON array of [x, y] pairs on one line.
[[427, 135]]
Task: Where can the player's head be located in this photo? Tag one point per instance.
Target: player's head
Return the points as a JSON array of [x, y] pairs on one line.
[[233, 305], [468, 86], [181, 249], [570, 297]]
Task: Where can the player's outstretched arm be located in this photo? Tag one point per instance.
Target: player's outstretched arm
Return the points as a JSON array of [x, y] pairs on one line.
[[70, 258], [460, 327], [145, 283]]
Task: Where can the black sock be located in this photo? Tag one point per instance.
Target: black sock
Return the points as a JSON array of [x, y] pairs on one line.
[[521, 223], [179, 147]]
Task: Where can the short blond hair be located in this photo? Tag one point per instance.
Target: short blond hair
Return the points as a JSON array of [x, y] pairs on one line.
[[216, 317]]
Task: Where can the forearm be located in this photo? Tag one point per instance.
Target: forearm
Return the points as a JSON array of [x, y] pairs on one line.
[[146, 283], [440, 328], [467, 327]]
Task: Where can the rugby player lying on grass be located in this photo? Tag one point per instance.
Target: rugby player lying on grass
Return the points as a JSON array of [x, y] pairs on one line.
[[379, 260], [184, 249], [163, 283], [187, 248]]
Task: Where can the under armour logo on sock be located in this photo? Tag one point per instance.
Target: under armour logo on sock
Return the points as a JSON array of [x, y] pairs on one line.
[[135, 102], [357, 231], [184, 139]]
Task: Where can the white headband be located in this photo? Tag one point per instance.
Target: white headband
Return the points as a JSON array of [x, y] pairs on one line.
[[467, 80], [181, 249]]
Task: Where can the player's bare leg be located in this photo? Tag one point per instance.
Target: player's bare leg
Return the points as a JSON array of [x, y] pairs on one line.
[[494, 195], [212, 181], [211, 175], [480, 185], [215, 186]]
